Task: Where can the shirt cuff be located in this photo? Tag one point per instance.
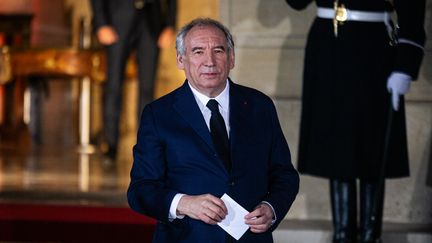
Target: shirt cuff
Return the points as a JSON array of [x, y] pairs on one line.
[[173, 208], [274, 213]]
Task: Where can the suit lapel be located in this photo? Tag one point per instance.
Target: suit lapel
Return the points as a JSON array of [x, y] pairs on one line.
[[239, 112], [185, 104]]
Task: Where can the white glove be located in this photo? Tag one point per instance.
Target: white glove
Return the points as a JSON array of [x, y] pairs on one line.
[[398, 84]]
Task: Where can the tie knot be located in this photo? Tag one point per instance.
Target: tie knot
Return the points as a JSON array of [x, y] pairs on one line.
[[213, 105]]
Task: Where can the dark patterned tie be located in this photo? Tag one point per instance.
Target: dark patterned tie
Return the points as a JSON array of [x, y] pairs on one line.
[[219, 133]]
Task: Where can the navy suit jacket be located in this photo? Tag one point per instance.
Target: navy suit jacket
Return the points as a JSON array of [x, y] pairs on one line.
[[175, 154]]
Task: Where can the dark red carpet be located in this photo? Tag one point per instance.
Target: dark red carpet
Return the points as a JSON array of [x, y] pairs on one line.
[[71, 223]]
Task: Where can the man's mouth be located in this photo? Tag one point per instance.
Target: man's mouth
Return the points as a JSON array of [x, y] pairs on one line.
[[209, 74]]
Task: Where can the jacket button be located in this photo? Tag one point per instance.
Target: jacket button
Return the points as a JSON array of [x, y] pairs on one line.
[[232, 183]]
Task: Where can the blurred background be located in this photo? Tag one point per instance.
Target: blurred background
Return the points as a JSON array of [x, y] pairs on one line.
[[56, 185]]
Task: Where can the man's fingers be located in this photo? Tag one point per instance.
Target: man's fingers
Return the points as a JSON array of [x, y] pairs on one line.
[[217, 202], [259, 228], [260, 219], [206, 218], [215, 208], [206, 208], [259, 225], [210, 217], [216, 212]]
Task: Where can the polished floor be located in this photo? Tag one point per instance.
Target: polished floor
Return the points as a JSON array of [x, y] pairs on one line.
[[52, 170], [50, 191], [50, 173]]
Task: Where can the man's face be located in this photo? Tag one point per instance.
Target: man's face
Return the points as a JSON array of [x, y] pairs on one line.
[[206, 61]]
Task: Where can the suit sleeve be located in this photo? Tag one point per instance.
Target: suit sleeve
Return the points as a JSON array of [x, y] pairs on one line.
[[411, 36], [100, 13], [284, 179], [172, 13], [147, 192]]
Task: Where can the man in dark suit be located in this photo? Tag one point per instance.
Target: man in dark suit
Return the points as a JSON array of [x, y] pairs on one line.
[[181, 168], [124, 26]]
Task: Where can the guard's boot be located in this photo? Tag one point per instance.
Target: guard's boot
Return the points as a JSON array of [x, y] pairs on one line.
[[344, 210], [370, 218]]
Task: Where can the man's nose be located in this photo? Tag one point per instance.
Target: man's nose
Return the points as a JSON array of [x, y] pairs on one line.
[[210, 59]]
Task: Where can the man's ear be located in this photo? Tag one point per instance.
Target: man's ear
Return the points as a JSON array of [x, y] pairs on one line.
[[232, 59], [179, 60]]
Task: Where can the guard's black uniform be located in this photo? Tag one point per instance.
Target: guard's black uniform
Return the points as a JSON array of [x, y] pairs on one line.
[[345, 102]]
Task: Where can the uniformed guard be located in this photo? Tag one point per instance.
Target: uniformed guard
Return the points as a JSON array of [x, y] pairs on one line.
[[358, 64]]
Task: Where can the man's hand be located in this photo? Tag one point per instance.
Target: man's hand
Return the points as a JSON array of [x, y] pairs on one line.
[[166, 38], [206, 208], [260, 219], [107, 35], [398, 84]]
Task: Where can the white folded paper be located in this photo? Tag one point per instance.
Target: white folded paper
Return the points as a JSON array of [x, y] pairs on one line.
[[234, 222]]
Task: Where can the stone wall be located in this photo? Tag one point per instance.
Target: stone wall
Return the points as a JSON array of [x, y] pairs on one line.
[[270, 40]]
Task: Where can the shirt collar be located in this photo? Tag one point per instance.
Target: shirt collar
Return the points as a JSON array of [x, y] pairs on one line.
[[222, 98]]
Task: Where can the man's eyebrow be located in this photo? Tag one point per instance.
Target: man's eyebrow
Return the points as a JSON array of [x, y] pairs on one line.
[[201, 48], [219, 47], [197, 48]]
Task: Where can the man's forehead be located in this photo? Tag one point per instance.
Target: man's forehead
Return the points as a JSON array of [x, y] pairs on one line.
[[205, 27], [203, 33]]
